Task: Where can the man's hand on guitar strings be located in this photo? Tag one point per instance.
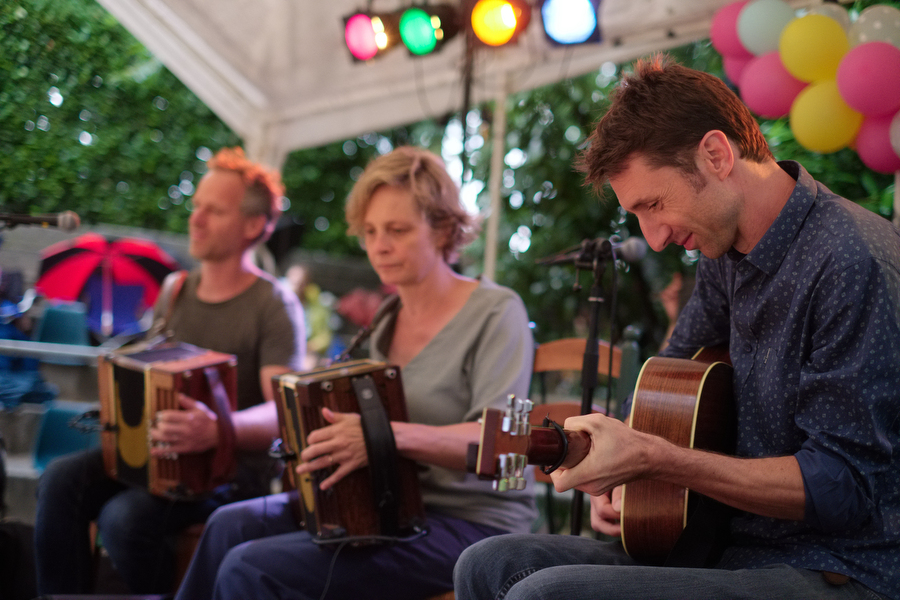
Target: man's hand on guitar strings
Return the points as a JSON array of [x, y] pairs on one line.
[[341, 445], [606, 512], [194, 429]]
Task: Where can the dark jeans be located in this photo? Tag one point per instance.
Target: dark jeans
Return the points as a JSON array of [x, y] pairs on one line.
[[254, 549], [137, 529], [539, 567]]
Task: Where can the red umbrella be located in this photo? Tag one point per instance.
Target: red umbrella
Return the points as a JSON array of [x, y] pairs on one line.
[[67, 266]]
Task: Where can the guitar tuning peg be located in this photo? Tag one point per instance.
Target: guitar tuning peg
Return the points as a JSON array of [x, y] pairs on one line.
[[501, 484], [512, 472], [509, 416], [521, 461]]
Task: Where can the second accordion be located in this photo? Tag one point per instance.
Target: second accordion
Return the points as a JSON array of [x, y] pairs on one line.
[[379, 502]]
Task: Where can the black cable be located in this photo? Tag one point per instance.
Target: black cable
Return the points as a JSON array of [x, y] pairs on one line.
[[344, 541], [612, 333]]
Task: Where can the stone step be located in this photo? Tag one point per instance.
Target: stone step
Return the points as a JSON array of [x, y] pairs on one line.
[[21, 430], [21, 487], [19, 427]]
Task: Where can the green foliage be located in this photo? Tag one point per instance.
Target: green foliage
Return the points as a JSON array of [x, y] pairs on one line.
[[319, 179], [90, 121], [547, 204]]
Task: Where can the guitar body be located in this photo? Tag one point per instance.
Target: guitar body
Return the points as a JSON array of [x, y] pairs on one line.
[[689, 403]]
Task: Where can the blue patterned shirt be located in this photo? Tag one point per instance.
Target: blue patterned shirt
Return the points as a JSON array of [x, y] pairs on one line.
[[812, 320]]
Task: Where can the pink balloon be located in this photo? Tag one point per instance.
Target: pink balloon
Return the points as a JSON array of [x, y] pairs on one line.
[[868, 78], [873, 144], [767, 88], [723, 30], [734, 67]]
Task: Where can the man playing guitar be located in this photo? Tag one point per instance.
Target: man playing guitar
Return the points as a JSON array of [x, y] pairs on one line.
[[803, 288]]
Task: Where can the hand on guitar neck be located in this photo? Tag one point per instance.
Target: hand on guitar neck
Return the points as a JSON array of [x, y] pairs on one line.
[[509, 443], [677, 401]]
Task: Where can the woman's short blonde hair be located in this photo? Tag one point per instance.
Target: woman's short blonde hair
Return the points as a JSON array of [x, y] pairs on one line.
[[434, 192]]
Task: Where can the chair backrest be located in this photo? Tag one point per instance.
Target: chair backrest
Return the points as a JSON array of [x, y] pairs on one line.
[[567, 354], [56, 438], [64, 323]]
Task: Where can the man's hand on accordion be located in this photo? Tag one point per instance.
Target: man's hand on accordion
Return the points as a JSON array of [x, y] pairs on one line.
[[193, 429], [340, 444]]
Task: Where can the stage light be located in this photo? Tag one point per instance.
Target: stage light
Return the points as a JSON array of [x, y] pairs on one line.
[[569, 22], [498, 22], [367, 34], [424, 29]]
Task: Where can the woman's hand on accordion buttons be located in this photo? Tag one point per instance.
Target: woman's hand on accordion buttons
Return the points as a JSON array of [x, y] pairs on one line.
[[340, 444], [193, 429]]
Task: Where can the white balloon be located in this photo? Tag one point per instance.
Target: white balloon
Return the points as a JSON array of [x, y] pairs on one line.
[[879, 23], [895, 133], [760, 24], [833, 10]]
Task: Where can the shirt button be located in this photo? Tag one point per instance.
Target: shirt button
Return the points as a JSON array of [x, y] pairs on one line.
[[748, 347]]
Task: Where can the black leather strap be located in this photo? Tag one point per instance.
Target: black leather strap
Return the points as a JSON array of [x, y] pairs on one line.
[[382, 450], [223, 461]]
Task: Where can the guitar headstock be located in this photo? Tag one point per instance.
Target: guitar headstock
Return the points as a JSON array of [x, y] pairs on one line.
[[503, 447]]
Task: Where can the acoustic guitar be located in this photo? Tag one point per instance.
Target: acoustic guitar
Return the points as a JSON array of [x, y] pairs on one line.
[[686, 401]]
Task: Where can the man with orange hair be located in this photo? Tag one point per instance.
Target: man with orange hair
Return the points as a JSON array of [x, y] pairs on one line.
[[226, 304]]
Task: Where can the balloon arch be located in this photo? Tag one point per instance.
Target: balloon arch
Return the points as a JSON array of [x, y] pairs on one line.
[[836, 77]]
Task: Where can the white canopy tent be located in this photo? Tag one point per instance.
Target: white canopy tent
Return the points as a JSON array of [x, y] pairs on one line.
[[278, 73]]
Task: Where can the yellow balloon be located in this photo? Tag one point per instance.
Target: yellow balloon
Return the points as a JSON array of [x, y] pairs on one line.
[[811, 47], [820, 119]]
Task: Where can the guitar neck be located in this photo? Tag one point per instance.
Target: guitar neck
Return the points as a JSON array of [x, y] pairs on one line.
[[505, 450], [548, 446]]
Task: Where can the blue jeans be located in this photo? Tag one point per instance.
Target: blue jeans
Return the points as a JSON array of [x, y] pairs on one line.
[[138, 529], [541, 567], [254, 549]]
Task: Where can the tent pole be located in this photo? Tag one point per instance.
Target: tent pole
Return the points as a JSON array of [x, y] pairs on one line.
[[498, 152], [468, 65]]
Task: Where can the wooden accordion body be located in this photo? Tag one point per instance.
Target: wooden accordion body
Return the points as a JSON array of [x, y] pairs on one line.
[[375, 503], [136, 383]]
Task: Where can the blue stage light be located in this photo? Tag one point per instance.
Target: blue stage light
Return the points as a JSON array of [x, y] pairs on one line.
[[568, 22]]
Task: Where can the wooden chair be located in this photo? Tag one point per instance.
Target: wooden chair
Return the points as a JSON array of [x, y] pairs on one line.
[[567, 355]]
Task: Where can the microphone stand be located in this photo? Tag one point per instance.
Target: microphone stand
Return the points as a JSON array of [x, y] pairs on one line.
[[594, 255]]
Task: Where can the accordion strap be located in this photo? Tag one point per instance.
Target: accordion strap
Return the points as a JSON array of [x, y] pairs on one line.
[[382, 450], [168, 296], [222, 464]]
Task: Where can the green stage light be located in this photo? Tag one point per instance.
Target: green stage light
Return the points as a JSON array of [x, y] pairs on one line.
[[424, 29]]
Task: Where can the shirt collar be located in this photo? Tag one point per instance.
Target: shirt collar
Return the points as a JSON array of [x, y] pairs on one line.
[[769, 253]]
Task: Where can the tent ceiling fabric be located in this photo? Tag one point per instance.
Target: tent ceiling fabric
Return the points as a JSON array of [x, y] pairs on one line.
[[277, 71]]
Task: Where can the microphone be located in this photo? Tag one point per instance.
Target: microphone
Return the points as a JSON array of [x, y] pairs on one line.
[[66, 220], [631, 250]]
